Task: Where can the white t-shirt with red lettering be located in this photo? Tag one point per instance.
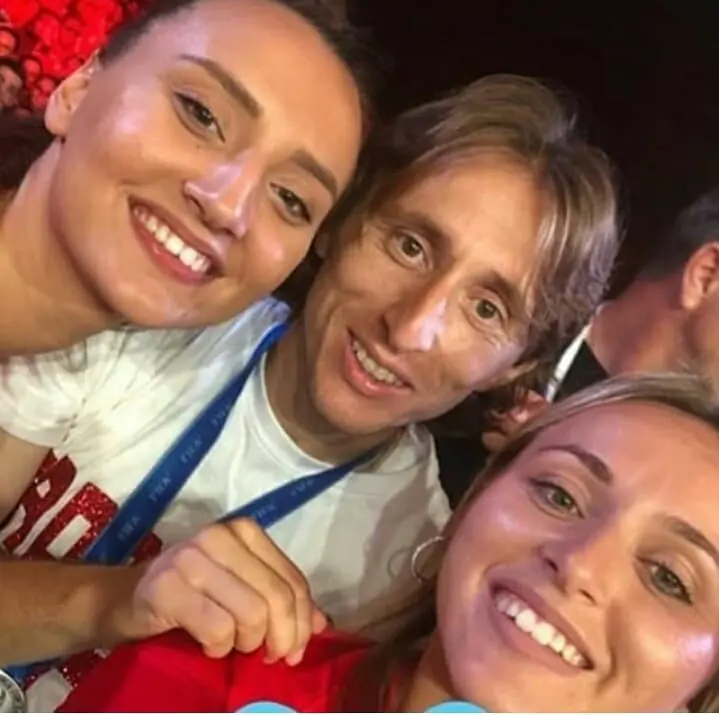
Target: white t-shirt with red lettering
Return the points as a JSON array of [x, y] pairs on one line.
[[109, 409]]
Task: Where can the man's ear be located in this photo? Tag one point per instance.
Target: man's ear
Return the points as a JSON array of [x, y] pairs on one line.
[[700, 278], [68, 96]]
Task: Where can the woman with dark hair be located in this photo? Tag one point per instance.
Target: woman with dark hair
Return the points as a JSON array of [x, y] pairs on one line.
[[178, 176], [580, 574]]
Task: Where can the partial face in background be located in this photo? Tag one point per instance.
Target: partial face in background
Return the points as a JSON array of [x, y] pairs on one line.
[[70, 33], [40, 92], [10, 87], [207, 154], [699, 350], [32, 69], [47, 27], [88, 10], [60, 7], [429, 302], [585, 578], [8, 42]]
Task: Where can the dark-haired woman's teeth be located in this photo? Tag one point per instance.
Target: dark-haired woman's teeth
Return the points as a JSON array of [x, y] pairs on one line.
[[161, 232], [541, 631], [373, 368]]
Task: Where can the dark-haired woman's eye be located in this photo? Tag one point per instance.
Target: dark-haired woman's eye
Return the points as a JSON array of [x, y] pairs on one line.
[[294, 207], [199, 115], [487, 310], [410, 246]]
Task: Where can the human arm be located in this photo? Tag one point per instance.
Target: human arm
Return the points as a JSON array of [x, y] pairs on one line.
[[228, 587], [50, 609]]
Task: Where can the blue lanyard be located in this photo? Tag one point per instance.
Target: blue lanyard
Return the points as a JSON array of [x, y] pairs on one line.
[[149, 501]]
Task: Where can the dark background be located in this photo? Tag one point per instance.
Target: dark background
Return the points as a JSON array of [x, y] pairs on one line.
[[646, 73]]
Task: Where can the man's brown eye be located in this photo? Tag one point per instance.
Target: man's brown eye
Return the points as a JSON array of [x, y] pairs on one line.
[[487, 310], [410, 246]]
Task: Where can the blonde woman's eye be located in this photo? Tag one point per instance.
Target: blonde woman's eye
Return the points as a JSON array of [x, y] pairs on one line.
[[555, 497]]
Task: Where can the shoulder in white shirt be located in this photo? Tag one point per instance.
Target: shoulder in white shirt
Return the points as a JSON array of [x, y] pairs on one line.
[[111, 409]]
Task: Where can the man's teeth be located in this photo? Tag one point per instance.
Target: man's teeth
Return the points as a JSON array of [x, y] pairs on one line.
[[373, 368], [542, 632], [193, 259]]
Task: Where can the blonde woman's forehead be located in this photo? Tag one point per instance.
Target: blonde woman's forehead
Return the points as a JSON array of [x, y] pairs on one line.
[[645, 446]]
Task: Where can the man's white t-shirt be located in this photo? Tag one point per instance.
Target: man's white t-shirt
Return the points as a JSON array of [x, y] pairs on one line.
[[111, 408]]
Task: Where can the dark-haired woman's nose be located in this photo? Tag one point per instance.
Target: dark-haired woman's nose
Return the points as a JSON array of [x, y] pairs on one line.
[[228, 195]]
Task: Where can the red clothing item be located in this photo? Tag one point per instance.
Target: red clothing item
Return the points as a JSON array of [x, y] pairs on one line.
[[170, 673]]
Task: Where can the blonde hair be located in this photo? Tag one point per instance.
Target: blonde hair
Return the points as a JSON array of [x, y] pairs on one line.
[[523, 121], [415, 620]]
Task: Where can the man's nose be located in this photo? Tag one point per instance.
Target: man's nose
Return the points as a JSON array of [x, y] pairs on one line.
[[416, 319]]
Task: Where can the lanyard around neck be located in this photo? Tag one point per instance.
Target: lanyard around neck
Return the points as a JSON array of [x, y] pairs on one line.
[[151, 498], [565, 362]]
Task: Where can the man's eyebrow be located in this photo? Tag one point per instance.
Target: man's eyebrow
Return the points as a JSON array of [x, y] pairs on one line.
[[691, 534], [230, 84], [306, 161], [421, 222], [596, 466]]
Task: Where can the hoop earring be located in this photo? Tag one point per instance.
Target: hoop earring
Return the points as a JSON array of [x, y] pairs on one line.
[[414, 563]]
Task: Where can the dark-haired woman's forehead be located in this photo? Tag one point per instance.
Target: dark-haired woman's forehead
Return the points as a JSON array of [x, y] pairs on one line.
[[274, 57]]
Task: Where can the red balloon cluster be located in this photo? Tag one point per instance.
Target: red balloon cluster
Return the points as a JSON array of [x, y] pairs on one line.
[[57, 36]]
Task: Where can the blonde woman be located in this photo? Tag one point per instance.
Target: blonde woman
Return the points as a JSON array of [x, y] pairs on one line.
[[580, 574]]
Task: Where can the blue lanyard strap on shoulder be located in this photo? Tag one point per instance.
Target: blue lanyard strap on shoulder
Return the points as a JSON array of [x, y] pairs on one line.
[[274, 506], [149, 501]]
